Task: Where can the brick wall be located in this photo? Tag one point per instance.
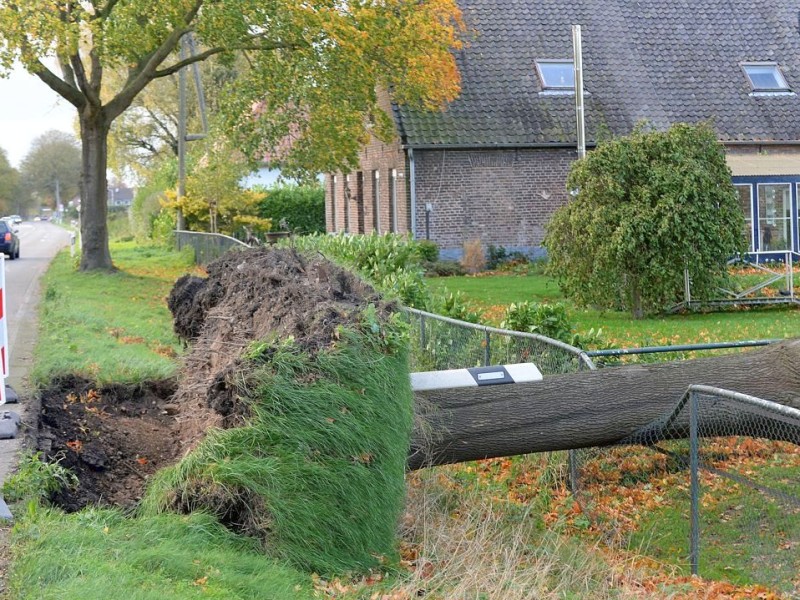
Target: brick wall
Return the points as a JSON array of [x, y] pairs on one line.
[[389, 191], [501, 197]]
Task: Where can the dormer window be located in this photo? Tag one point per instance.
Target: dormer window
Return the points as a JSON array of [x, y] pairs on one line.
[[556, 74], [765, 77]]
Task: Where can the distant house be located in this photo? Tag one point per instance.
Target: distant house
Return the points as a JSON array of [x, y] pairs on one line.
[[120, 197], [492, 166]]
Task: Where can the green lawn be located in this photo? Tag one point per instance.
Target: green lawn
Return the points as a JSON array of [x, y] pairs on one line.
[[492, 293], [110, 327]]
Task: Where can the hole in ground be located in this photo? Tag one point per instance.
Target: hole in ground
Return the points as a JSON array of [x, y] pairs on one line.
[[113, 438]]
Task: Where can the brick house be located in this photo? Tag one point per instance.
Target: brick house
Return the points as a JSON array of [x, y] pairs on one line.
[[492, 165]]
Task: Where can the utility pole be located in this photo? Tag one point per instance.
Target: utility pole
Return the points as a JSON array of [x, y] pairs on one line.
[[187, 42], [578, 66]]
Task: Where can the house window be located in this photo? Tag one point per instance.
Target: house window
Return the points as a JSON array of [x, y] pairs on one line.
[[376, 200], [765, 77], [333, 203], [774, 217], [393, 201], [745, 193], [556, 74]]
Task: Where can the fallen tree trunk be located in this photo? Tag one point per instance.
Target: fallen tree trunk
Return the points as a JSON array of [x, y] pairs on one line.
[[596, 408]]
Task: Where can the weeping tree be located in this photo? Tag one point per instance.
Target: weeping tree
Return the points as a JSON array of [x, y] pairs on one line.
[[646, 207], [315, 67]]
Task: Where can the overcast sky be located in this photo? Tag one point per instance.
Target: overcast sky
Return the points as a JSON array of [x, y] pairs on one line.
[[28, 108]]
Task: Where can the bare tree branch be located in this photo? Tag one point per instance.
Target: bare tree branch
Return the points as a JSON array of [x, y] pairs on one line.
[[69, 92]]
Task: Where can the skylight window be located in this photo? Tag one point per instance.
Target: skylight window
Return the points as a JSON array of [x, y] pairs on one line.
[[765, 77], [556, 74]]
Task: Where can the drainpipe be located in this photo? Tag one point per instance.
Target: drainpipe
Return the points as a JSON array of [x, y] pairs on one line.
[[412, 184]]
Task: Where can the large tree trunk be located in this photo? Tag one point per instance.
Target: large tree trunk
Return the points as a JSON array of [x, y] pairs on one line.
[[595, 408], [95, 253]]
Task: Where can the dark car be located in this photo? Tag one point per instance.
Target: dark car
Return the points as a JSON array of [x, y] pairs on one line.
[[9, 241]]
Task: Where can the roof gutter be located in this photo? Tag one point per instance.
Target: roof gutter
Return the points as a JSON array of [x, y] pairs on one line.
[[491, 146], [540, 146], [761, 143]]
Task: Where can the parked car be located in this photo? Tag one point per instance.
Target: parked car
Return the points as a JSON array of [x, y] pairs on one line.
[[9, 241], [16, 219]]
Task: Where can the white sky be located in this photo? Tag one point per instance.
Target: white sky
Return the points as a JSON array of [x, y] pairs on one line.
[[28, 108]]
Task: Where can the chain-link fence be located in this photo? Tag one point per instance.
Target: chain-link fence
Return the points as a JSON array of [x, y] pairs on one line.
[[714, 485], [439, 343], [207, 246]]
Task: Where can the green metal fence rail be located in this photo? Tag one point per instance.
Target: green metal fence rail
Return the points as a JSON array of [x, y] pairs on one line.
[[439, 343], [207, 246]]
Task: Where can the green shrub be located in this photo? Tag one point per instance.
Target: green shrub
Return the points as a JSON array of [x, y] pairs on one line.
[[495, 256], [428, 250], [390, 262], [647, 207], [300, 208], [444, 268], [550, 320], [454, 306], [498, 258]]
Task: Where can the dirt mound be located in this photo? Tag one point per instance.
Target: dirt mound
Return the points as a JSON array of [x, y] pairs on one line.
[[260, 294], [114, 438]]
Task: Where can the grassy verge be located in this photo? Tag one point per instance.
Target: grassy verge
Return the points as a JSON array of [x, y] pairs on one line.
[[110, 327], [101, 554]]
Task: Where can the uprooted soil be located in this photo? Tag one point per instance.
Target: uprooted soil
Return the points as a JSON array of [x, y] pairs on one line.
[[114, 438]]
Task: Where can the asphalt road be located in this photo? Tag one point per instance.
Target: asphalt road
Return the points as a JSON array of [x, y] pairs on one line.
[[39, 243]]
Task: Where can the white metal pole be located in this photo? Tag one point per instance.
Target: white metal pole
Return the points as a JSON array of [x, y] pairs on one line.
[[578, 62]]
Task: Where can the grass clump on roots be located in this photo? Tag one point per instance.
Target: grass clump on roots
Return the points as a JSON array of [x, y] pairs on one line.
[[316, 470]]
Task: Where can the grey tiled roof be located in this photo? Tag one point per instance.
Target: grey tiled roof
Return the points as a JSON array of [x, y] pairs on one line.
[[662, 60]]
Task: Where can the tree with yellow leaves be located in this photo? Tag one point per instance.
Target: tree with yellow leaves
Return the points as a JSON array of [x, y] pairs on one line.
[[307, 101]]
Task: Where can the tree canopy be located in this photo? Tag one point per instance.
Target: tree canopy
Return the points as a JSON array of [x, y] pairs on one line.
[[52, 168], [308, 100], [9, 184], [646, 207]]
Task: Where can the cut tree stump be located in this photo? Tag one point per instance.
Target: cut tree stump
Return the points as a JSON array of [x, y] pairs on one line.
[[594, 408]]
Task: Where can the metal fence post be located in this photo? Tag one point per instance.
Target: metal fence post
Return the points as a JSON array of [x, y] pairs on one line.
[[487, 349], [694, 462], [687, 288]]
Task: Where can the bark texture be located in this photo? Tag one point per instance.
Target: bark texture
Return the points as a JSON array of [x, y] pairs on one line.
[[595, 408], [95, 252]]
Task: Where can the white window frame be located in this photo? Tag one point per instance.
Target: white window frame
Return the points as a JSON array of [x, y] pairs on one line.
[[558, 61], [393, 200], [773, 220], [779, 78], [376, 200]]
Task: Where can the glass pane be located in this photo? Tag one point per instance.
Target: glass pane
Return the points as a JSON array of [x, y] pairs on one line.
[[774, 217], [765, 77], [557, 74], [745, 197]]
